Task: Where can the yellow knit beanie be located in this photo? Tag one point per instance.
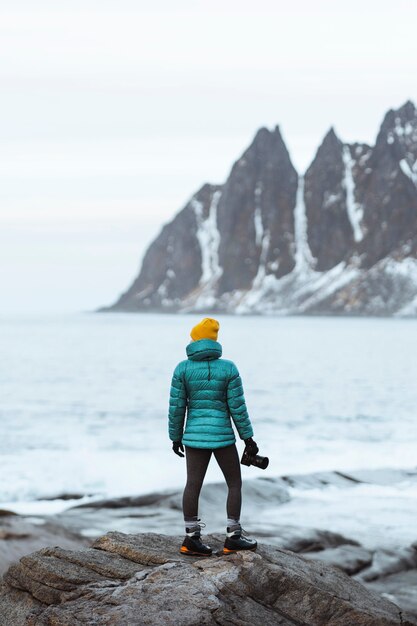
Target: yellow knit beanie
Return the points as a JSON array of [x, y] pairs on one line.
[[206, 329]]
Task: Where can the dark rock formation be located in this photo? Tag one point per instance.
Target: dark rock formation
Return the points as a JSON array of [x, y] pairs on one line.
[[19, 535], [330, 235], [350, 559], [256, 214], [390, 571], [389, 191], [342, 239], [400, 588], [142, 579], [171, 268]]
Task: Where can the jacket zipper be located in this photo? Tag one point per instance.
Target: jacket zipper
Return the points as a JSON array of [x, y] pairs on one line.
[[209, 375]]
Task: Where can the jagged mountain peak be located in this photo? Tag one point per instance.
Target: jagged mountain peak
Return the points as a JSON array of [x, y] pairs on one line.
[[331, 135], [330, 143], [406, 112], [396, 145], [339, 239], [329, 227], [266, 156], [399, 129], [329, 153], [266, 144], [264, 133], [388, 189], [255, 212]]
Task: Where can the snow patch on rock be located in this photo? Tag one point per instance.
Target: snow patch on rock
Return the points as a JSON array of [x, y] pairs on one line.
[[259, 227], [303, 257], [296, 292], [208, 237], [263, 239], [409, 171], [354, 210], [301, 289]]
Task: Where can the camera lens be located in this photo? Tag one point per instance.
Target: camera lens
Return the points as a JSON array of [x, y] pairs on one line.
[[261, 461]]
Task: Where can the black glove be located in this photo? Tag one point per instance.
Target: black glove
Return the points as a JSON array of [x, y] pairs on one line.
[[177, 446], [251, 447]]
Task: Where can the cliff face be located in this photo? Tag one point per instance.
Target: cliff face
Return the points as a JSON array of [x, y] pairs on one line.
[[389, 190], [179, 260], [142, 579], [340, 239], [329, 233], [256, 214]]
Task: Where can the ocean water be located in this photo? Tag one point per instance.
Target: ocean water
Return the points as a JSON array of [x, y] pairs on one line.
[[83, 404]]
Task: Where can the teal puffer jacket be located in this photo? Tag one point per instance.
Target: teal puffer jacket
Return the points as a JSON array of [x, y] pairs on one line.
[[210, 390]]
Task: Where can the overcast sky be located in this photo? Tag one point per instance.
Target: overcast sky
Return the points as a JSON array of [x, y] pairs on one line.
[[113, 112]]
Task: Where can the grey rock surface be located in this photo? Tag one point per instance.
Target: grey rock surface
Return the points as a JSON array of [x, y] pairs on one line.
[[256, 214], [400, 588], [389, 192], [171, 268], [389, 571], [20, 535], [330, 234], [130, 580], [349, 558], [386, 562]]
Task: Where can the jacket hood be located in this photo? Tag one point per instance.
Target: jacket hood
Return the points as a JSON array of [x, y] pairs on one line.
[[204, 350]]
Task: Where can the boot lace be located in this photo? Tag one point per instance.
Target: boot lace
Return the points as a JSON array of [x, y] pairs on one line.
[[195, 528]]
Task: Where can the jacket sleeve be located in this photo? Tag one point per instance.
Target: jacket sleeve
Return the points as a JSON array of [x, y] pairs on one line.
[[177, 405], [237, 405]]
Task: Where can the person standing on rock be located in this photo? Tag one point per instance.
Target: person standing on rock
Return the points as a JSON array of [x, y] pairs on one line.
[[209, 389]]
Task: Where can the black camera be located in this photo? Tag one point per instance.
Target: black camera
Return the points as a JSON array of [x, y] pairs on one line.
[[254, 459]]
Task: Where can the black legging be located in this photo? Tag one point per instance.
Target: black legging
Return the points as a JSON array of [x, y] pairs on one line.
[[197, 463]]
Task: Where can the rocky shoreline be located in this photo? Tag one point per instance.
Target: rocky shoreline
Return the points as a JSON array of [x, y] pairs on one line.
[[142, 579], [389, 571]]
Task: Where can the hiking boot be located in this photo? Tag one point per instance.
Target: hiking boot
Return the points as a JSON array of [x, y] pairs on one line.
[[235, 540], [192, 544]]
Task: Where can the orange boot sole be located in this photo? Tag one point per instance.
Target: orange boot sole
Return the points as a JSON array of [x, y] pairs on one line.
[[228, 551]]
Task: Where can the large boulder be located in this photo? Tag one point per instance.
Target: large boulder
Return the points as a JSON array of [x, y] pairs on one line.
[[142, 579]]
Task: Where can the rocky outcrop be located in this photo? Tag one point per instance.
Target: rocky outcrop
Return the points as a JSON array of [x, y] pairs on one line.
[[253, 210], [171, 269], [256, 214], [330, 233], [142, 579], [388, 192], [20, 535], [342, 239], [387, 565]]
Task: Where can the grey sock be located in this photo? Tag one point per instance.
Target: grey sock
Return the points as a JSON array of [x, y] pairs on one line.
[[233, 529], [232, 522], [191, 525]]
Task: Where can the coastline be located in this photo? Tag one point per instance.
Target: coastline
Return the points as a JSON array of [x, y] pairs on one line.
[[279, 511]]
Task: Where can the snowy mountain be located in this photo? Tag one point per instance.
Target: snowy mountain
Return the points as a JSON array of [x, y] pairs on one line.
[[342, 239]]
